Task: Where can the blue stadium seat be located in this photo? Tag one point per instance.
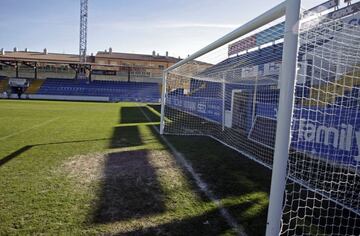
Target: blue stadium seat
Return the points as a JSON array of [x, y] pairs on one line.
[[115, 90]]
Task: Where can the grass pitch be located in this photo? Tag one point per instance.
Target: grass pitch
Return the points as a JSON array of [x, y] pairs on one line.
[[98, 168]]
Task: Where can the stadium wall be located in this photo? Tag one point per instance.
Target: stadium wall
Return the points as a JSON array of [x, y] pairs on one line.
[[58, 97]]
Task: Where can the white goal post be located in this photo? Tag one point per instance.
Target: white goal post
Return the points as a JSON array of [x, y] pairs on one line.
[[285, 113]]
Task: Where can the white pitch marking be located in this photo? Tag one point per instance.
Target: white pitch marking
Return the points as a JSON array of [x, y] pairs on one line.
[[25, 130]]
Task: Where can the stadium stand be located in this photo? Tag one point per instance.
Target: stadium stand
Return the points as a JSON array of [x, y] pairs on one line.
[[269, 93], [271, 54], [258, 57], [115, 90], [342, 91]]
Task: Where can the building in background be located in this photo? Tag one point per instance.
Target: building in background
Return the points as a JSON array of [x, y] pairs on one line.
[[105, 65]]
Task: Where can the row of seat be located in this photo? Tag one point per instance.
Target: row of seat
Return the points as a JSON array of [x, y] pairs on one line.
[[115, 90], [350, 98]]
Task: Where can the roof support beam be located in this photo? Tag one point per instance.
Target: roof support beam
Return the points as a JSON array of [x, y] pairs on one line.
[[8, 63]]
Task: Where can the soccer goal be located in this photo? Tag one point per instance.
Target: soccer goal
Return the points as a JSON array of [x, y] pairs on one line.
[[283, 90]]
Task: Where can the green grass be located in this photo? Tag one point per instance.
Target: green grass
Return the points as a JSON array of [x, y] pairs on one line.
[[100, 168]]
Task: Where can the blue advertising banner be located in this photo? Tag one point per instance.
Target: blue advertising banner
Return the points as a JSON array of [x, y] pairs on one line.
[[208, 108], [332, 134]]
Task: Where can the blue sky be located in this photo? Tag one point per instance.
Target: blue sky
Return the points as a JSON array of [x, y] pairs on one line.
[[139, 26]]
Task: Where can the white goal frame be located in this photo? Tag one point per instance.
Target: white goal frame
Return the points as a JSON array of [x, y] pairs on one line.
[[291, 10]]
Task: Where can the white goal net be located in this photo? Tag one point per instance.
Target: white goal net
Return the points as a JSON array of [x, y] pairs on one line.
[[323, 187], [232, 94]]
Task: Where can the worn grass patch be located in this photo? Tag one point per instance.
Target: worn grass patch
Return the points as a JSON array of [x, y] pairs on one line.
[[83, 169]]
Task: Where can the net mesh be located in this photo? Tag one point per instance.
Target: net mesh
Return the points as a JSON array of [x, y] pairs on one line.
[[323, 186], [232, 94], [228, 98]]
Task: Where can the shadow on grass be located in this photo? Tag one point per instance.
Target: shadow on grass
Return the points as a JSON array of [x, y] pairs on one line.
[[209, 223], [228, 174], [126, 136], [14, 154], [136, 115], [26, 148], [239, 175], [130, 188]]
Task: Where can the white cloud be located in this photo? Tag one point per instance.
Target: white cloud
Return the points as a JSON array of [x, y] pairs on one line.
[[160, 25], [197, 25]]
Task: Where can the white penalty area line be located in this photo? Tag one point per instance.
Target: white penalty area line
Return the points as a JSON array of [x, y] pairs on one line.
[[201, 184], [28, 129]]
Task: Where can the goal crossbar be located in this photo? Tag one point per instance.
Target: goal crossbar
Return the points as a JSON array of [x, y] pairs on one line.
[[267, 17]]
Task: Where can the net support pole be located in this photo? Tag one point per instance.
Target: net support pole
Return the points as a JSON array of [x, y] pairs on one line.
[[223, 103], [284, 117], [163, 100], [254, 100]]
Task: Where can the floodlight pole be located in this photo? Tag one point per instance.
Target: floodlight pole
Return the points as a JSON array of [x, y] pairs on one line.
[[284, 117], [163, 100], [83, 30]]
